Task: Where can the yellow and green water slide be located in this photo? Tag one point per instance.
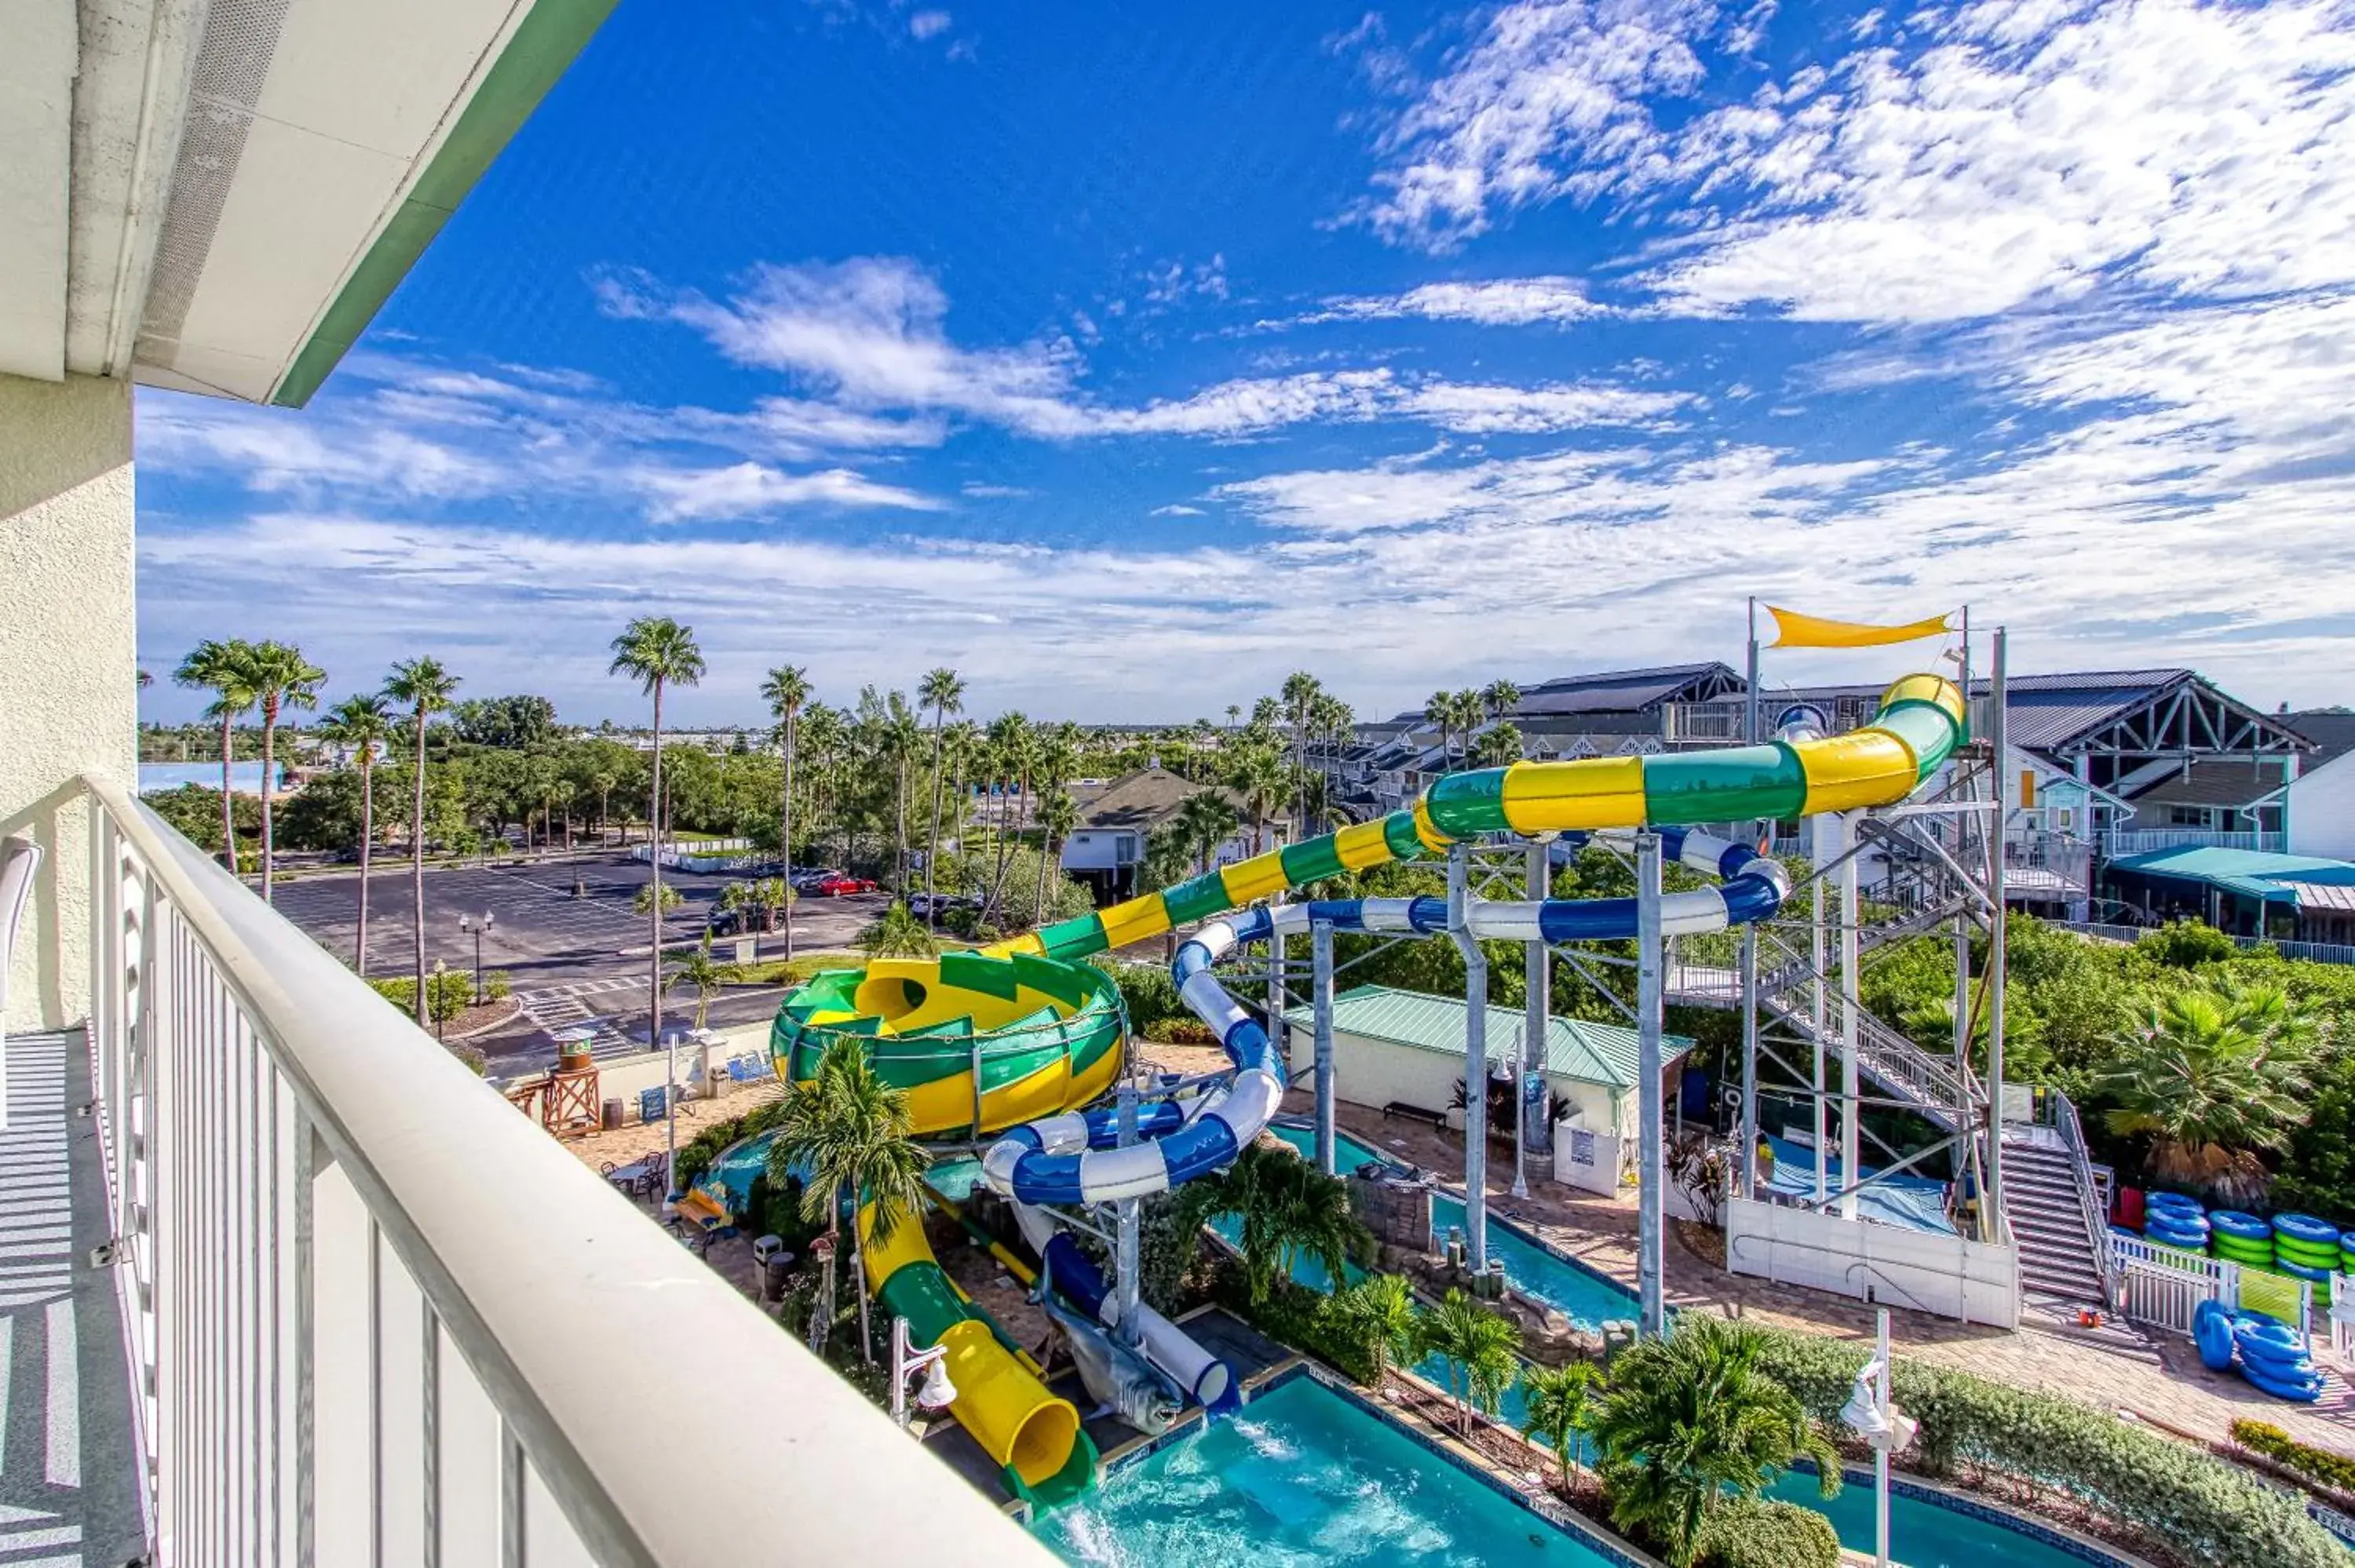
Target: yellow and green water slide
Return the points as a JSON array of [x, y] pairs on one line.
[[987, 1041]]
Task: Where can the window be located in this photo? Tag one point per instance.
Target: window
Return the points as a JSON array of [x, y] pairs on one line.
[[1125, 848], [2189, 817]]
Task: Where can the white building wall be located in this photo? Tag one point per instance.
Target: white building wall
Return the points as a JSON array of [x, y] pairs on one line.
[[2322, 810], [1375, 1072], [68, 666], [1975, 1282]]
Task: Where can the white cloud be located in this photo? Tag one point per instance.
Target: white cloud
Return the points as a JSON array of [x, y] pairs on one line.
[[1177, 509], [981, 492], [927, 24], [1496, 302], [1173, 282], [1545, 82], [748, 489]]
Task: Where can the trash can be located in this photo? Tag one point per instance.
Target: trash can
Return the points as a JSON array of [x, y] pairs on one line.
[[612, 1118]]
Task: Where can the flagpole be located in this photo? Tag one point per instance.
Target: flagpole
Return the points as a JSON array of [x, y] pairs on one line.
[[1750, 952]]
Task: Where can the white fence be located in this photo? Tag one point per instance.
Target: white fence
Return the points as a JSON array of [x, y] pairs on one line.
[[2312, 952], [2163, 1288], [2120, 842], [375, 1316], [1978, 1282]]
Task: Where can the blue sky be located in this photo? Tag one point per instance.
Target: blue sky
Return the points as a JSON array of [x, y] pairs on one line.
[[1128, 361]]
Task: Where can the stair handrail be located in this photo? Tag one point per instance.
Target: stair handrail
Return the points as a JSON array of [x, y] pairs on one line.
[[2081, 1173]]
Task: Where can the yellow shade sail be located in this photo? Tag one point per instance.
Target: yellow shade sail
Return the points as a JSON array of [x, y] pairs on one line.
[[1793, 629]]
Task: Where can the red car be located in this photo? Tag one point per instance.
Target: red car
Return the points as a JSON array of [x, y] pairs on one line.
[[841, 886]]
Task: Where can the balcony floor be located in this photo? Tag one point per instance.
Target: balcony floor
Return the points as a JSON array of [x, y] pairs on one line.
[[68, 1496]]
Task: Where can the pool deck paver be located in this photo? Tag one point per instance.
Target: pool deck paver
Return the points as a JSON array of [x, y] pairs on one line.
[[2167, 1383]]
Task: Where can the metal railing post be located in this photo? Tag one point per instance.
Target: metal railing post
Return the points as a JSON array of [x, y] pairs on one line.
[[1320, 949], [1650, 1176], [1476, 1065]]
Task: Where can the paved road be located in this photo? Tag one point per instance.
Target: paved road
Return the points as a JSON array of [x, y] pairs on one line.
[[573, 961]]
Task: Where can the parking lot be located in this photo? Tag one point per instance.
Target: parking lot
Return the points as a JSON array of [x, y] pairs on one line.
[[563, 933]]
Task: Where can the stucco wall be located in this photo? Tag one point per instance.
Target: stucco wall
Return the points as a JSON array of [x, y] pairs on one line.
[[1376, 1072], [69, 699]]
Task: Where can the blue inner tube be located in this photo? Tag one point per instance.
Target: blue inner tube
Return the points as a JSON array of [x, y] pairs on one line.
[[2306, 1228], [2177, 1235], [2233, 1223], [2211, 1331], [2297, 1392], [2270, 1342], [2153, 1200], [2303, 1271]]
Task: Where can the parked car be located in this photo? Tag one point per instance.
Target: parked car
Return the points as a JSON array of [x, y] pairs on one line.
[[727, 922], [838, 886], [934, 905], [809, 876]]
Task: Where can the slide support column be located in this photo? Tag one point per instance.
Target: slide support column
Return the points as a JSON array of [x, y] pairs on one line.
[[1126, 1262], [1851, 1122], [1320, 950], [1649, 1176], [1475, 1065], [1535, 1026], [1999, 955]]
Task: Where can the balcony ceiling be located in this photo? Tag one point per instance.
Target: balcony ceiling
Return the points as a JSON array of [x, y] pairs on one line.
[[217, 196]]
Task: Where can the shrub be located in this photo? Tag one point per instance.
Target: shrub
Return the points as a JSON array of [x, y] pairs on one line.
[[1296, 1316], [2334, 1470], [1749, 1532], [496, 987], [1150, 993], [2187, 944], [1180, 1032], [2206, 1512], [449, 993]]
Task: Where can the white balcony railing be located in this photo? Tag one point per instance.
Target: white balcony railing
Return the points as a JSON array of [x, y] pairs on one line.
[[375, 1316], [2120, 842]]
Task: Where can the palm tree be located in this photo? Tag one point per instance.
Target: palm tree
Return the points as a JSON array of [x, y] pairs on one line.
[[362, 722], [424, 686], [1377, 1316], [1439, 708], [1499, 745], [845, 1132], [221, 669], [1058, 815], [1498, 698], [896, 934], [651, 893], [942, 691], [657, 652], [1692, 1419], [281, 678], [964, 741], [1205, 820], [1561, 1400], [1009, 746], [1480, 1347], [1302, 692], [1290, 1210], [773, 896], [901, 733], [2212, 1076], [699, 969], [785, 690], [1259, 777]]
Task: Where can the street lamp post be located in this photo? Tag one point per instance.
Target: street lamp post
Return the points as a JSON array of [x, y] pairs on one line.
[[478, 927]]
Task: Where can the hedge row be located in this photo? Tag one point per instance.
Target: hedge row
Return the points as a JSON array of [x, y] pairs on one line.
[[2204, 1509], [1767, 1533], [2264, 1437]]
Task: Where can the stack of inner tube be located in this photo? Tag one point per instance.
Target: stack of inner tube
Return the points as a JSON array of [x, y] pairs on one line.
[[2308, 1248], [2273, 1358], [2242, 1238], [2173, 1220]]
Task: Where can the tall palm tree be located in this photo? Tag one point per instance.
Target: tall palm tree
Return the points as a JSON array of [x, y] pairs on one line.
[[424, 687], [964, 743], [1499, 697], [1058, 815], [785, 690], [1289, 1210], [1439, 708], [1235, 714], [899, 737], [659, 654], [1301, 693], [362, 722], [1259, 777], [1480, 1346], [281, 678], [942, 691], [1497, 744], [2214, 1077], [1009, 749], [1561, 1402], [846, 1133], [221, 668], [1691, 1420]]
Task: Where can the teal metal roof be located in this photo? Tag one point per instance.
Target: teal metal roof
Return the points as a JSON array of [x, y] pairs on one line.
[[2252, 874], [1584, 1053]]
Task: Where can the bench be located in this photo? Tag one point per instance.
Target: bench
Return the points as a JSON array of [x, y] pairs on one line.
[[1437, 1120]]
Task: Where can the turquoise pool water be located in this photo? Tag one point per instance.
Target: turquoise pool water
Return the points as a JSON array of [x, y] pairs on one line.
[[1922, 1534], [1348, 1152], [1302, 1477]]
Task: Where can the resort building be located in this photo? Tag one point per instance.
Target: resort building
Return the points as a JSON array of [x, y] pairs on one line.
[[1106, 849], [2244, 892], [2317, 806]]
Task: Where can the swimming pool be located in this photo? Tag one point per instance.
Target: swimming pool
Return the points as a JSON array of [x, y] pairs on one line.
[[1303, 1475], [1348, 1152], [1923, 1533]]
